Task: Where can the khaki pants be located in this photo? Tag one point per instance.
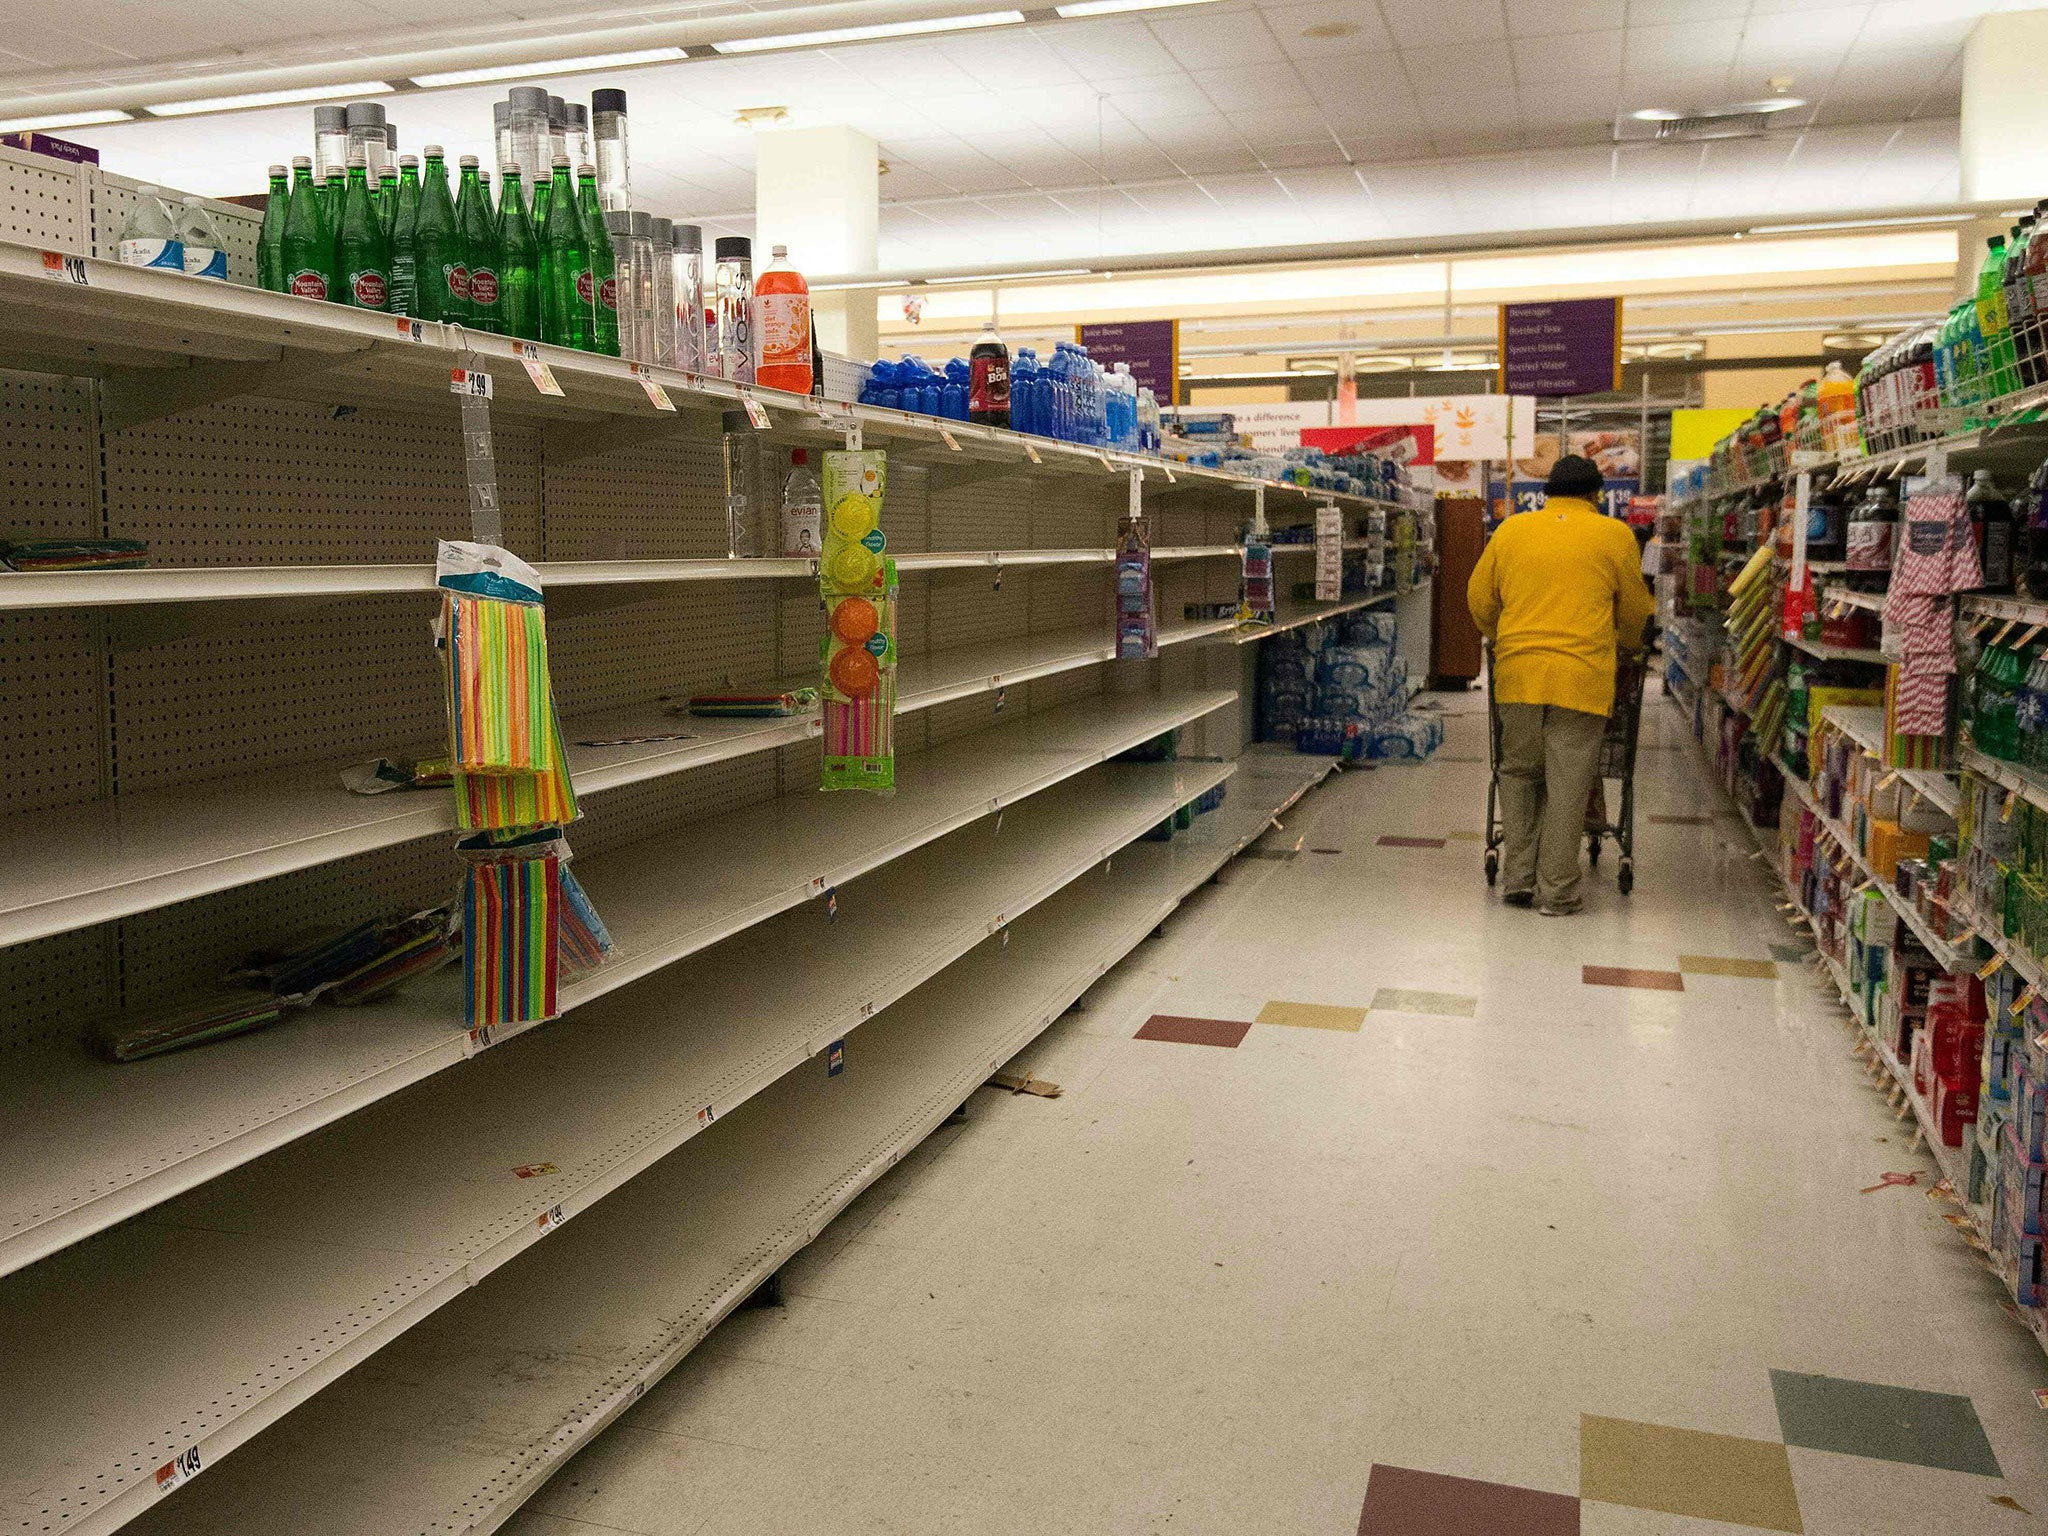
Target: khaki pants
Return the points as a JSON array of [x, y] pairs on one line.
[[1548, 759]]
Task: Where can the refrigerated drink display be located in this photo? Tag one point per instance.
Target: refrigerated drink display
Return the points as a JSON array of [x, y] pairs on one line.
[[638, 298], [149, 235], [782, 325], [440, 278], [988, 379], [603, 259], [365, 254], [613, 291], [608, 126], [518, 263], [200, 236], [330, 143], [404, 216], [306, 244], [479, 238], [692, 347], [734, 301], [566, 317], [367, 133], [529, 124], [270, 237], [661, 306]]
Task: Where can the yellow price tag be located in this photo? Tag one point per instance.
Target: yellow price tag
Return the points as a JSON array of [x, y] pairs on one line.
[[1990, 967], [2004, 630], [2011, 800], [949, 439], [2019, 1004], [2031, 631], [1031, 453]]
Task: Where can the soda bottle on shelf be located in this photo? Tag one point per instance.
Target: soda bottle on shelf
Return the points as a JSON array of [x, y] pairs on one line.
[[603, 263], [306, 249], [2019, 300], [1991, 321], [1835, 399], [149, 235], [2033, 510], [988, 379], [518, 263], [365, 253], [1991, 525], [2034, 275], [270, 238], [566, 317], [440, 264], [387, 200], [782, 326], [803, 509], [479, 246], [404, 217]]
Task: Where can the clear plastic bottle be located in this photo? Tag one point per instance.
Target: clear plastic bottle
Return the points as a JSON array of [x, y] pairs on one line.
[[200, 236], [735, 303], [1836, 398], [608, 128], [577, 136], [803, 509], [530, 139], [616, 288], [558, 129], [501, 130], [149, 235], [748, 515], [640, 299], [330, 143], [366, 132], [693, 352], [661, 316]]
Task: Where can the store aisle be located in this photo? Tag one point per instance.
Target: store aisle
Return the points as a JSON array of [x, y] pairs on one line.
[[1462, 1220]]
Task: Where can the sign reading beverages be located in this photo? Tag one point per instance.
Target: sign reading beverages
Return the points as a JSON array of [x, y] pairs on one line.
[[1561, 347], [1150, 347]]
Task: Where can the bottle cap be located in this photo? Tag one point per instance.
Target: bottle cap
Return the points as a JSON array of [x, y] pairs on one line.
[[467, 162], [358, 156], [558, 112], [409, 160], [433, 151], [387, 173], [733, 248], [528, 98], [364, 114], [330, 119], [690, 239], [302, 162], [664, 233], [642, 225], [778, 253], [501, 114], [586, 169], [579, 115], [799, 455], [278, 170], [608, 101], [618, 222]]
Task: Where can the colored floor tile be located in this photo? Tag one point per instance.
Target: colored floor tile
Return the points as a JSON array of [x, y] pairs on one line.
[[1860, 1418], [1623, 976], [1312, 1016], [1679, 821], [1687, 1472], [1182, 1030], [1411, 842], [1401, 1000], [1727, 965], [1402, 1502]]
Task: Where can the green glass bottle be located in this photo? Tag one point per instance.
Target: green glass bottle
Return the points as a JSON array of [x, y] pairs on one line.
[[305, 246], [565, 292], [604, 287], [518, 263], [404, 270], [331, 203], [541, 190], [365, 253], [479, 246], [387, 200], [270, 238], [441, 271]]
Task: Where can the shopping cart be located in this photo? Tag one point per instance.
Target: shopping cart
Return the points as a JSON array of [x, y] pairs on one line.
[[1617, 761]]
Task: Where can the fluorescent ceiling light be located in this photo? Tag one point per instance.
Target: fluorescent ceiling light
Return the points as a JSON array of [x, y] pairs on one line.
[[271, 98], [1007, 277], [66, 120], [550, 67], [864, 34], [1821, 224], [1112, 7]]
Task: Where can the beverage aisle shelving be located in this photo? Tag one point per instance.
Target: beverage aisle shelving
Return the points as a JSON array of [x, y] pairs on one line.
[[242, 1239]]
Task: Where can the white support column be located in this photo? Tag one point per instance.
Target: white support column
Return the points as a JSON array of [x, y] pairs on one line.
[[2005, 114], [816, 191]]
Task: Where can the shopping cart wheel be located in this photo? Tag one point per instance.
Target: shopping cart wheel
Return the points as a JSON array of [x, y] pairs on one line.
[[1625, 877], [1492, 866], [1593, 848]]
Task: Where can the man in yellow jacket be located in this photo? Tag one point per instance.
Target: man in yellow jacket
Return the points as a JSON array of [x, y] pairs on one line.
[[1555, 591]]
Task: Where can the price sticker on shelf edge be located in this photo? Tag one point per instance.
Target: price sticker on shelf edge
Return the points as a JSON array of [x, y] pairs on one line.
[[653, 387], [469, 381], [1031, 453], [179, 1470], [1990, 967], [757, 413], [410, 329], [543, 376], [2019, 1004], [65, 269], [551, 1218], [949, 439], [835, 1058], [706, 1115]]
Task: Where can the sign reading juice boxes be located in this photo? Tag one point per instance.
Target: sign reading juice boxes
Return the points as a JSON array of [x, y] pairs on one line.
[[1150, 347], [1561, 347]]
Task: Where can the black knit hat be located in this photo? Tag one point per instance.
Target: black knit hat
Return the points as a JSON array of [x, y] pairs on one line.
[[1573, 475]]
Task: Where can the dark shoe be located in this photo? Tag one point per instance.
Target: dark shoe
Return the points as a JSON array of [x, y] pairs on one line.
[[1518, 899]]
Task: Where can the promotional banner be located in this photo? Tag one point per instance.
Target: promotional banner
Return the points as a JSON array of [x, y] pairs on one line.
[[1413, 446], [1150, 347], [1466, 428], [1561, 347], [1618, 452]]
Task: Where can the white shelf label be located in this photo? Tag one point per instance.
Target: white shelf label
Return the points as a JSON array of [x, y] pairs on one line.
[[543, 376], [1031, 453], [65, 269], [949, 439], [410, 329], [653, 387], [551, 1218], [179, 1470], [757, 413], [469, 381]]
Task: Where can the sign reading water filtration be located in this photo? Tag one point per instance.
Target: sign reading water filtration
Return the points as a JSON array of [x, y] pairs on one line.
[[1151, 347], [1563, 347]]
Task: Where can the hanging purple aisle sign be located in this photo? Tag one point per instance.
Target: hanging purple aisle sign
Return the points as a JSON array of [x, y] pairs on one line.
[[1563, 347], [1151, 347]]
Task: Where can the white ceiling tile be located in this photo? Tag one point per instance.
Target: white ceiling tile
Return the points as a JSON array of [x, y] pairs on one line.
[[1422, 23], [1007, 59], [1406, 142], [1538, 18], [1460, 73], [909, 69], [1925, 24], [1692, 45], [1251, 87], [1802, 35], [1588, 102], [1329, 29], [1561, 59], [1105, 51], [1296, 125], [1387, 91], [1211, 42], [1162, 98], [1658, 13]]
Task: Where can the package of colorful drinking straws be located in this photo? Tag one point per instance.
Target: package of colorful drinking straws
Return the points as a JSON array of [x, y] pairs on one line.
[[858, 654]]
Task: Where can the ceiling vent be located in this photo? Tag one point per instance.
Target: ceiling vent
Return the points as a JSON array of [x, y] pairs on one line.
[[1740, 120]]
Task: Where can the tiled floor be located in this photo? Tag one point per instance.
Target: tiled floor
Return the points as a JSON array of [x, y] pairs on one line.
[[1556, 1230]]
